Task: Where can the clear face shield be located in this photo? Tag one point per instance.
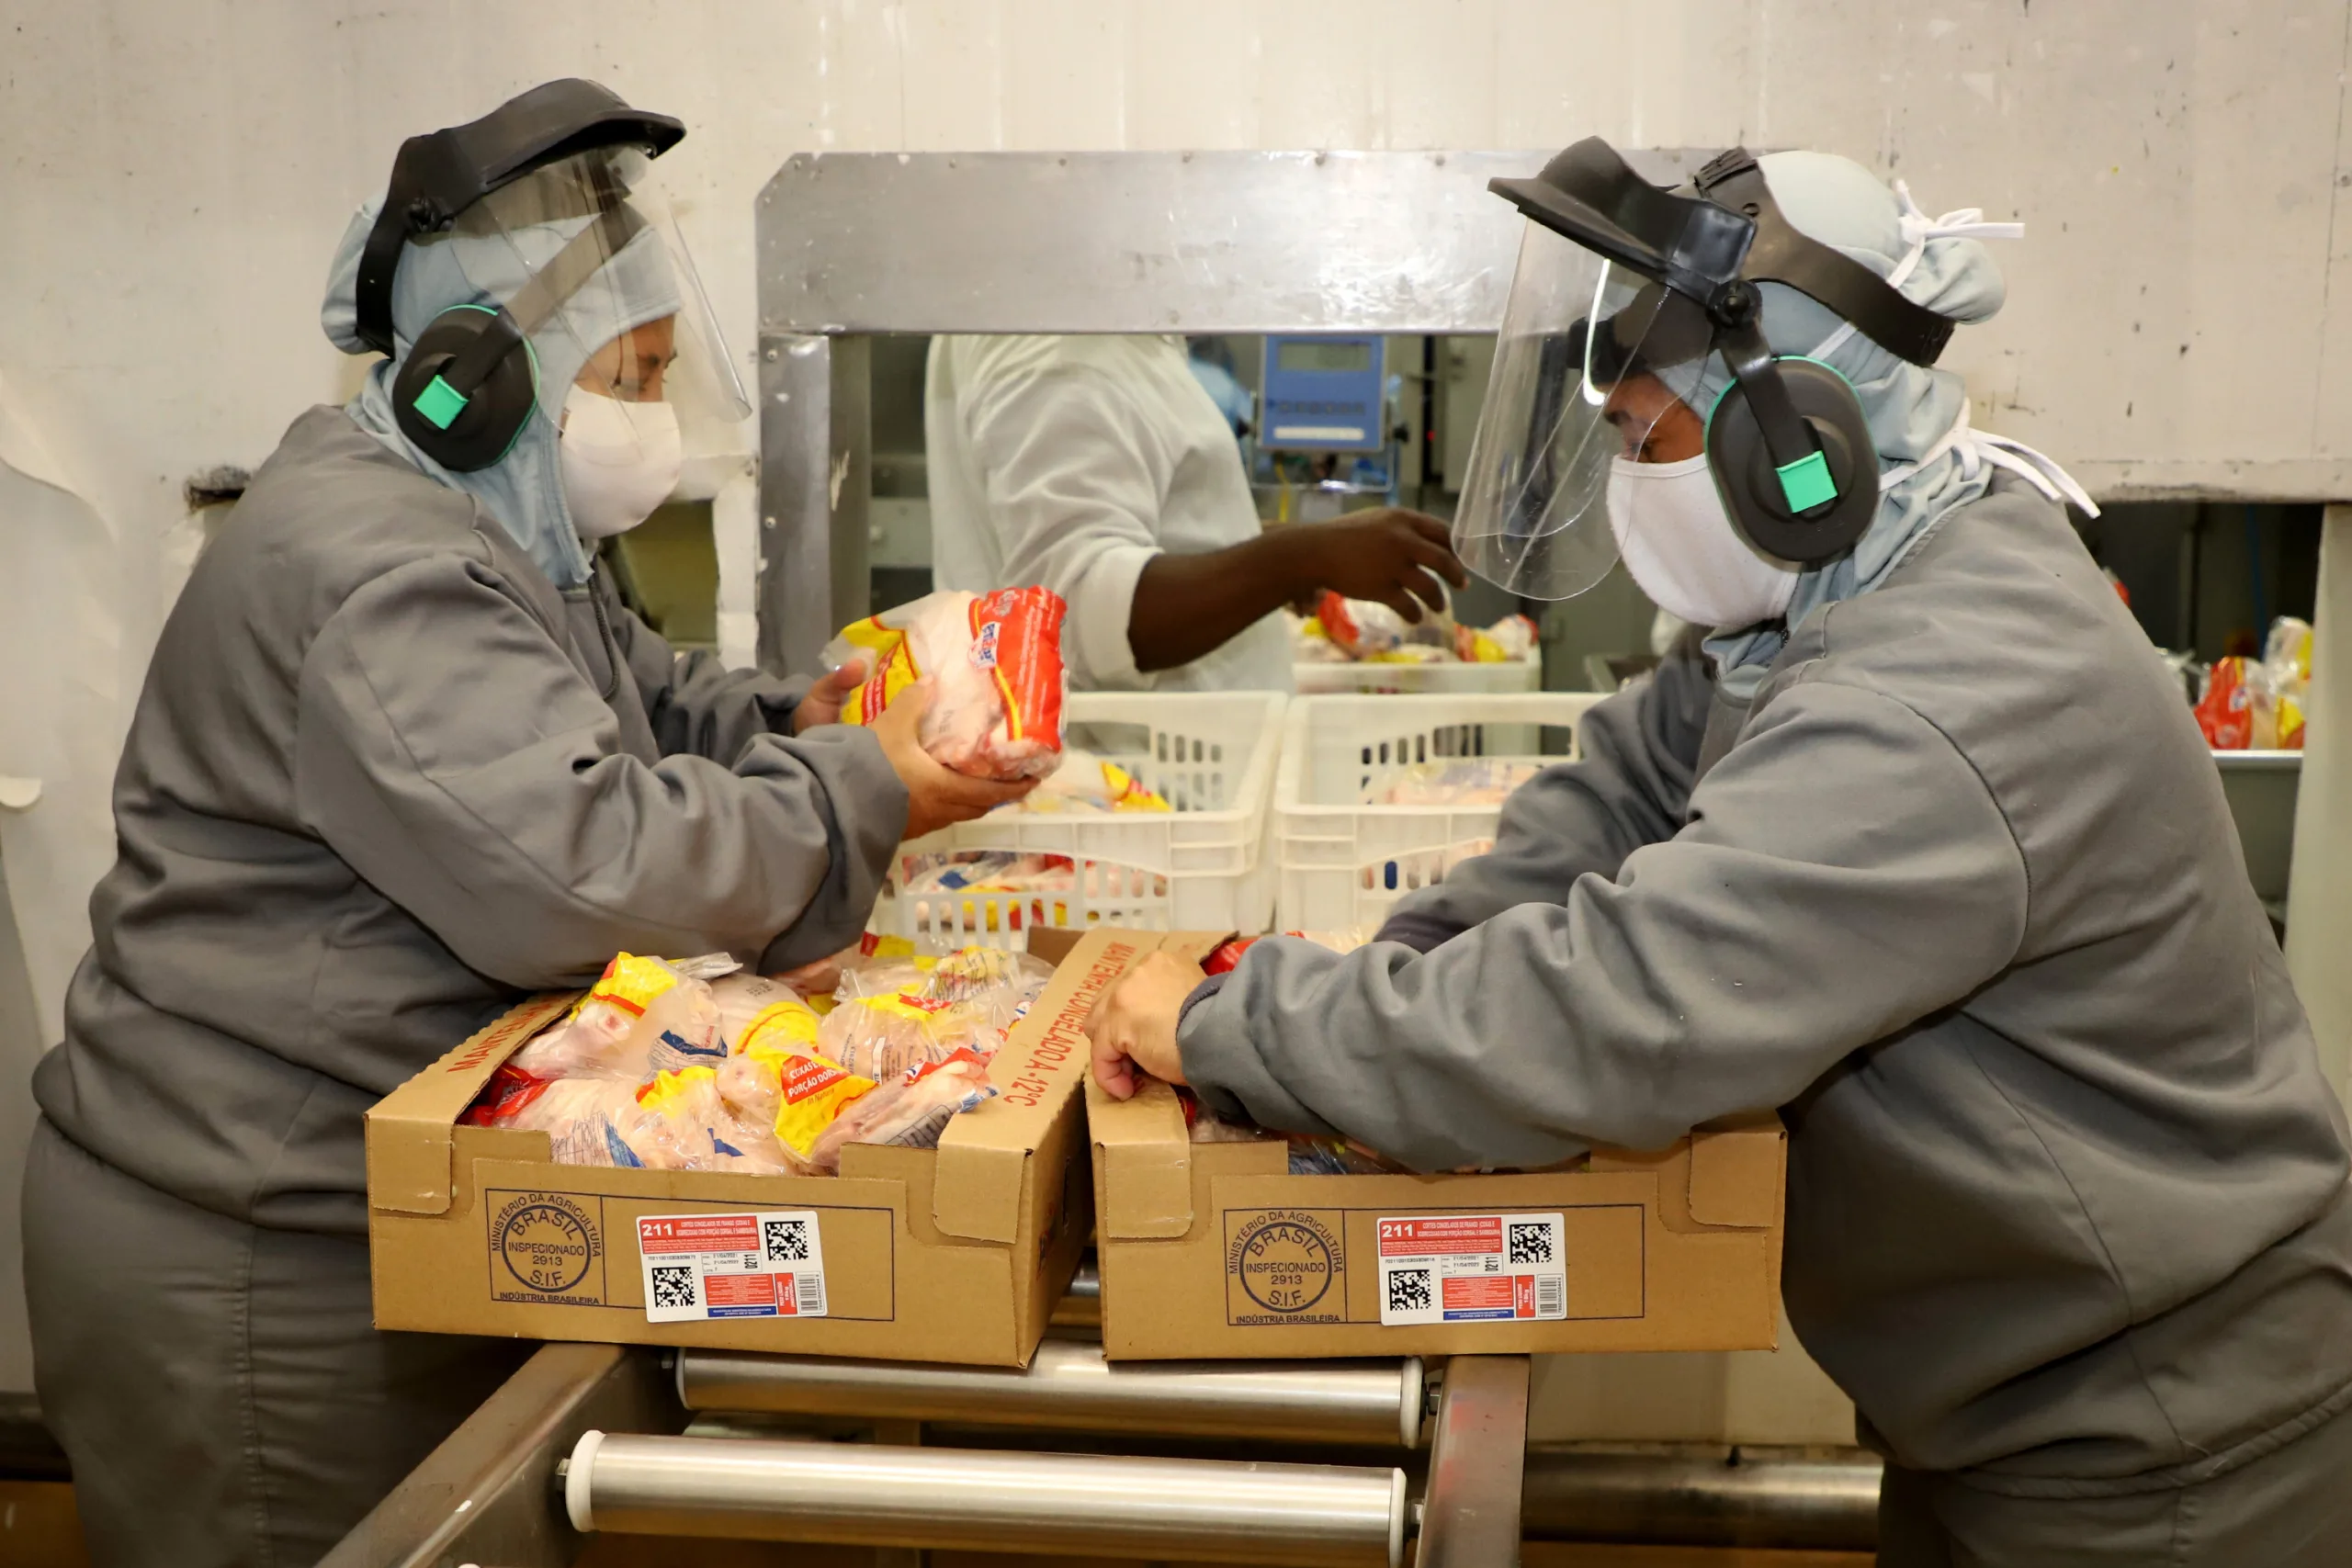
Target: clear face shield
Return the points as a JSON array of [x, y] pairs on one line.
[[1591, 358], [586, 257]]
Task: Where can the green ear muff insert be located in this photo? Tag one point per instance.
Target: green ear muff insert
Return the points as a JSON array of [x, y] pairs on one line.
[[440, 403], [1806, 483], [468, 385], [1816, 507]]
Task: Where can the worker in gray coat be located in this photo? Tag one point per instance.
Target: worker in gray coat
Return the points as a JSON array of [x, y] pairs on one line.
[[1923, 849], [403, 757]]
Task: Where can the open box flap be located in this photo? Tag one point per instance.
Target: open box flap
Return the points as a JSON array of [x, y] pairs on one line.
[[983, 1153], [409, 1129], [1146, 1162], [1735, 1171]]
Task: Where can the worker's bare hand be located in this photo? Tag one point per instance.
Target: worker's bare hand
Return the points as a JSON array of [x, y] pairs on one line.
[[1134, 1024], [1391, 556], [937, 795], [823, 702]]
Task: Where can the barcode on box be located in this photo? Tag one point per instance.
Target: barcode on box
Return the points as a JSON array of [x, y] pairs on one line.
[[699, 1267], [1472, 1268]]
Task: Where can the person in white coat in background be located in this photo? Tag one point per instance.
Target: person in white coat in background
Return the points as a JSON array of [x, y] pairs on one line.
[[1099, 467]]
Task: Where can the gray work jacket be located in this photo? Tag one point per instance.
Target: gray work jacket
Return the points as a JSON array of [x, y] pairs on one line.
[[383, 780], [1958, 894]]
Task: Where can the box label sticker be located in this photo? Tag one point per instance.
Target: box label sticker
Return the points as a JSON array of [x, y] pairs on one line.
[[715, 1266], [1472, 1268], [1284, 1266]]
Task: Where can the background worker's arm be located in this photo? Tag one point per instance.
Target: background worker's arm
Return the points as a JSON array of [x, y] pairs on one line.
[[1630, 787], [452, 754], [1186, 605], [1077, 472], [1844, 874]]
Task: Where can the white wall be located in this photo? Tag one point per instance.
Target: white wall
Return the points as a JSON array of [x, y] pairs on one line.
[[173, 175]]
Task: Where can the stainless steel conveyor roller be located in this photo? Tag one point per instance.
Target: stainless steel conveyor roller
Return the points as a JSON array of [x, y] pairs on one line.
[[1068, 1387], [1066, 1504]]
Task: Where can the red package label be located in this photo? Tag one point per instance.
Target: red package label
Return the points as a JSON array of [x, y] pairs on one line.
[[700, 1233], [1226, 956], [1445, 1234], [722, 1292], [1017, 635], [1480, 1292]]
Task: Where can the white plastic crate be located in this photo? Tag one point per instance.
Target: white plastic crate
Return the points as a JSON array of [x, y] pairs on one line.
[[1341, 864], [1202, 867], [1507, 675]]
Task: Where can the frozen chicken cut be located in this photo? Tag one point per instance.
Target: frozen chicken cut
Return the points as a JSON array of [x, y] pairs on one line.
[[680, 1064], [993, 663], [1477, 781], [1087, 783], [644, 1015]]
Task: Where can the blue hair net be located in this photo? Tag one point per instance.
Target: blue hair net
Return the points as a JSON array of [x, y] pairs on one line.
[[1913, 410], [524, 490]]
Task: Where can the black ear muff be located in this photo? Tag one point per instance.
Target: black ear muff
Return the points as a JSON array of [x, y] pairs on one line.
[[467, 388], [1810, 511]]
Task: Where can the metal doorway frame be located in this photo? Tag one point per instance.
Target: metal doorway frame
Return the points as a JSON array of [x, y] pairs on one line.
[[850, 245]]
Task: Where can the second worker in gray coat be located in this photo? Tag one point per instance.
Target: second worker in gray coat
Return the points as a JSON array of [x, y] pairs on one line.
[[1924, 851]]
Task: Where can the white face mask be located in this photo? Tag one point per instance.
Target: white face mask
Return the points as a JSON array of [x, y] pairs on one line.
[[1681, 545], [619, 462]]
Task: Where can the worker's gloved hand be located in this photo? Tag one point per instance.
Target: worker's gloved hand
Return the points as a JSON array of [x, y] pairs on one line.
[[1391, 556], [823, 702], [937, 795], [1134, 1024]]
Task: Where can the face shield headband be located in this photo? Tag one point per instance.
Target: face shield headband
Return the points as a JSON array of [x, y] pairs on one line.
[[439, 176]]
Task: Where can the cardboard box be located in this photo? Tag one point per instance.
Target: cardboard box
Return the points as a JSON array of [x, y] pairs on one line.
[[957, 1254], [1213, 1250]]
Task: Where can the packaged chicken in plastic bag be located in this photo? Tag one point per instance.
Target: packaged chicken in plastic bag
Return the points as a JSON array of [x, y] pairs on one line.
[[1365, 629], [1478, 781], [1305, 1155], [1309, 643], [1512, 637], [754, 1009], [1087, 784], [642, 1016], [910, 1110], [720, 1133], [994, 663], [588, 1120], [2225, 710], [1225, 954], [889, 1019]]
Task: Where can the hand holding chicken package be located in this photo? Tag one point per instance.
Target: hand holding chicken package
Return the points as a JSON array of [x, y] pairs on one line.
[[993, 665]]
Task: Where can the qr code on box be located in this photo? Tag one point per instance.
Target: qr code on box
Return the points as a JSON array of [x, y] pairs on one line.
[[674, 1285], [787, 1240], [1408, 1290], [1530, 1244]]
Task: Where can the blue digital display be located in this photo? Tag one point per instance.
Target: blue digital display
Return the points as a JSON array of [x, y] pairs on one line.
[[1323, 394]]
